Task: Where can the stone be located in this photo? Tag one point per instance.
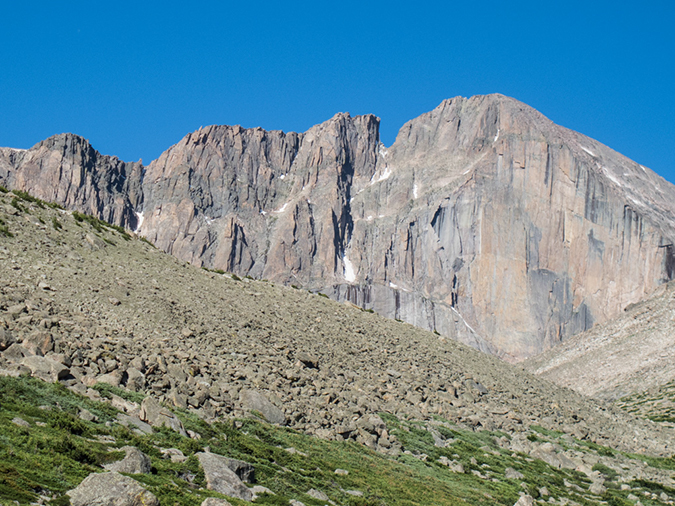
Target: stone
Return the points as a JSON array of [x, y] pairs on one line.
[[6, 339], [341, 472], [39, 343], [45, 368], [174, 454], [156, 415], [597, 488], [110, 489], [525, 500], [20, 422], [221, 478], [317, 494], [16, 352], [512, 474], [215, 501], [252, 400], [134, 462]]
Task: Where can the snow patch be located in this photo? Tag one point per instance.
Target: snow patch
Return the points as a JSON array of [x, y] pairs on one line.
[[611, 176], [283, 176], [369, 218], [263, 213], [496, 136], [349, 273], [587, 151], [392, 285], [415, 191], [282, 208], [385, 175], [139, 216], [382, 151]]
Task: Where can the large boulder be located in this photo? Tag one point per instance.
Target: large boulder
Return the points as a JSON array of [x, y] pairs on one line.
[[134, 462], [221, 478], [110, 489], [252, 400], [45, 368]]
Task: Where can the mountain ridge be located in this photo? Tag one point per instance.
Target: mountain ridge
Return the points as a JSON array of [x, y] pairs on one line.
[[484, 220]]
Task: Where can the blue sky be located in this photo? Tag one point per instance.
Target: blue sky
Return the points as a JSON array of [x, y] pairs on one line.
[[134, 78]]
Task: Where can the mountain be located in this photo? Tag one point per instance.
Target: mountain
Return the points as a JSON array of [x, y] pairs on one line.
[[137, 339], [484, 221]]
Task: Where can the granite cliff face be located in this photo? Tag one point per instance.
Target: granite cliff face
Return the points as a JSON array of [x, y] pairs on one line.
[[484, 220]]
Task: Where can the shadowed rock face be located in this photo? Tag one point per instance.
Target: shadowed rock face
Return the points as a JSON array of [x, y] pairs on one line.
[[484, 220]]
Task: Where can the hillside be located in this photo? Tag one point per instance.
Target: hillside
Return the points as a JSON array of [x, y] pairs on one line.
[[110, 311], [484, 221]]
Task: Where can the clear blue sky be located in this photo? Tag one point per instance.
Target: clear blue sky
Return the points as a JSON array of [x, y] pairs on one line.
[[134, 77]]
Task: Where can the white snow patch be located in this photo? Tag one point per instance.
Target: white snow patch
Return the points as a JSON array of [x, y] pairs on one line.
[[369, 218], [283, 176], [385, 175], [496, 136], [349, 273], [309, 201], [644, 169], [465, 322], [351, 200], [208, 220], [140, 222], [380, 215], [415, 191], [587, 151], [282, 208], [392, 285], [263, 213], [636, 202], [382, 151], [611, 176]]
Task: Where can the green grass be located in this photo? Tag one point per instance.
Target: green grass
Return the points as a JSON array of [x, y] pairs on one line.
[[59, 449]]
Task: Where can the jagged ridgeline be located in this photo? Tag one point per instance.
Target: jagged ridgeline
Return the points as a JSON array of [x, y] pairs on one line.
[[166, 372], [484, 221]]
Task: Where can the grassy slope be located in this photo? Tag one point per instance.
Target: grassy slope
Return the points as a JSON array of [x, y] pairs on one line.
[[58, 450]]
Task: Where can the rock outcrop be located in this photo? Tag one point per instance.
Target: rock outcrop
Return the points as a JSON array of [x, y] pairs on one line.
[[484, 221]]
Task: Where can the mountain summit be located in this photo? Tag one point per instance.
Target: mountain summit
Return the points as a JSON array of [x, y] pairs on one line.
[[483, 221]]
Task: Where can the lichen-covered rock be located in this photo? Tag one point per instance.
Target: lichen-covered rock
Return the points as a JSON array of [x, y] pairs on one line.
[[134, 462], [111, 489], [253, 400], [221, 478]]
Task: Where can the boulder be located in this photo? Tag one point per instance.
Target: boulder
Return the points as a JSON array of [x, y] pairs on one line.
[[45, 368], [6, 339], [135, 462], [525, 500], [252, 400], [110, 489], [221, 478], [156, 415]]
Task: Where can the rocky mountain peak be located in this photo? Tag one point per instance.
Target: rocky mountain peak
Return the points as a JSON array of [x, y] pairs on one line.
[[484, 221]]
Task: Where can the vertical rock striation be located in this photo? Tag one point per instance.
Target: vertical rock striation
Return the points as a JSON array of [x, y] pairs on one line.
[[484, 220]]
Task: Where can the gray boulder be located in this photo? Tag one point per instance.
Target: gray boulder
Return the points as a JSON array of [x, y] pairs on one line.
[[45, 368], [6, 339], [134, 462], [110, 489], [221, 478], [252, 400], [158, 416]]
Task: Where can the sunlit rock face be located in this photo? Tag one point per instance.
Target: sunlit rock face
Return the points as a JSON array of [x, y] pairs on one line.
[[483, 221]]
